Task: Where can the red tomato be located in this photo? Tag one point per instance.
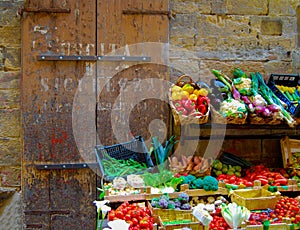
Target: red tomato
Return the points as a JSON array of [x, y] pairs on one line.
[[232, 180], [135, 221], [127, 217], [249, 183], [124, 204], [144, 223], [119, 214], [130, 223], [135, 213], [111, 215]]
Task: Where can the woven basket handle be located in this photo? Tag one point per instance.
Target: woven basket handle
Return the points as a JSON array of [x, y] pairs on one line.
[[187, 80]]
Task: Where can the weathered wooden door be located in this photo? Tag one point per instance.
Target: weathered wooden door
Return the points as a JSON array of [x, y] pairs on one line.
[[77, 57]]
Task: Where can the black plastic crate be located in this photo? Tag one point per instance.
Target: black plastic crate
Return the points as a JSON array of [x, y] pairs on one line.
[[134, 149], [291, 80]]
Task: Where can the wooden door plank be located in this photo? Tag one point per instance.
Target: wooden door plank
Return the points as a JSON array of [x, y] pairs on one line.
[[128, 32], [55, 198]]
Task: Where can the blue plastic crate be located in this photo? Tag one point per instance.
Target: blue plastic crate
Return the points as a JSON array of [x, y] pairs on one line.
[[291, 80], [134, 149]]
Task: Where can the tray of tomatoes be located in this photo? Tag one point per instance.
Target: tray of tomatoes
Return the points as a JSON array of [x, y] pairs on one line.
[[136, 214]]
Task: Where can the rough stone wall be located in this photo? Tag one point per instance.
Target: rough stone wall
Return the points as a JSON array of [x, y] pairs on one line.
[[256, 35], [10, 116]]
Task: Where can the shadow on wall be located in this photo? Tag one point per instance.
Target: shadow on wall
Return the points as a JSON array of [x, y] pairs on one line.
[[10, 209]]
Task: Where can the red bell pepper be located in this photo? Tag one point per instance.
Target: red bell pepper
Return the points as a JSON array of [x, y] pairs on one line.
[[283, 181], [203, 100], [202, 109], [189, 105], [177, 103], [181, 110]]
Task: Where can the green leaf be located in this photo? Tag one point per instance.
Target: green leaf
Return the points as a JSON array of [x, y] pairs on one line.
[[158, 150], [102, 193]]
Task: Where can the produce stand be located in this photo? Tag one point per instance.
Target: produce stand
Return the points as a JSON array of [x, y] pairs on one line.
[[255, 188]]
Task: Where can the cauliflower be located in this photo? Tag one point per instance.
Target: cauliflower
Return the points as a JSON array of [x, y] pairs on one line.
[[246, 83], [231, 106], [258, 100], [243, 85]]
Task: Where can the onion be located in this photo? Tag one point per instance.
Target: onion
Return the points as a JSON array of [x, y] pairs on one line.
[[259, 109], [251, 107], [235, 93], [266, 112], [273, 108], [246, 100]]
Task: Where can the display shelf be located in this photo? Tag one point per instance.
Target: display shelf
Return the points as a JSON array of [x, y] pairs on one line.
[[231, 131], [145, 194]]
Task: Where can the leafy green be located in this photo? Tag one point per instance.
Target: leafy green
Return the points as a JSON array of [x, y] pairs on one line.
[[161, 153]]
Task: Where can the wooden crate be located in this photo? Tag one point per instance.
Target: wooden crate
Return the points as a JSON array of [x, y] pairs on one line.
[[289, 149], [285, 225], [172, 215], [281, 226], [254, 198]]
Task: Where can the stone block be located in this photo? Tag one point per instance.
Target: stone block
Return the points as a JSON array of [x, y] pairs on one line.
[[8, 13], [186, 66], [289, 26], [10, 35], [223, 26], [13, 59], [189, 7], [296, 61], [10, 123], [9, 98], [219, 7], [10, 151], [227, 67], [10, 80], [240, 7], [10, 176], [283, 7], [279, 67], [246, 7], [271, 26]]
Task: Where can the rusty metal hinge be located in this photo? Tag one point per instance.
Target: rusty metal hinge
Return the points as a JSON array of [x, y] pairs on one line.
[[23, 9], [93, 58], [169, 13], [66, 166]]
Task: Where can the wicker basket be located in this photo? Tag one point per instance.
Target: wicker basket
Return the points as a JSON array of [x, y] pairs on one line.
[[216, 117], [191, 118], [206, 172], [257, 120], [254, 199]]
